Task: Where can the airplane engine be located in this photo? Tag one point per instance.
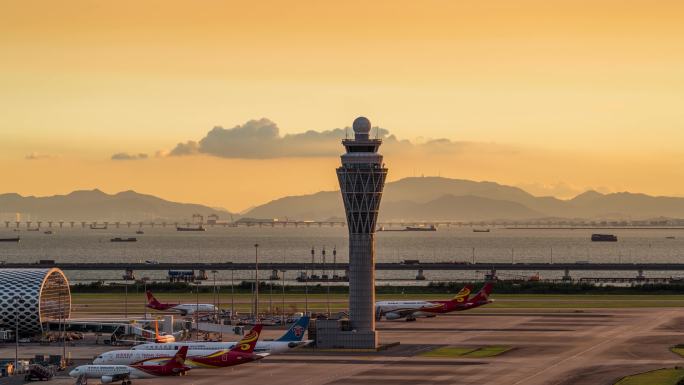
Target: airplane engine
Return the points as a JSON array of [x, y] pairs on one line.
[[106, 379], [392, 316]]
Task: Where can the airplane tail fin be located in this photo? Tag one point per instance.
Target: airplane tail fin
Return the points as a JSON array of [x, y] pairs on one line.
[[156, 330], [484, 293], [178, 360], [296, 331], [463, 295], [249, 341], [151, 301]]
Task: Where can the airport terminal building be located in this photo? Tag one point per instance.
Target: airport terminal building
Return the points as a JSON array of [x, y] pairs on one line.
[[29, 298]]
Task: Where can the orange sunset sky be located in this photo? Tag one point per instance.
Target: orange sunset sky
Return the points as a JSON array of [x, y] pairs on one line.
[[554, 96]]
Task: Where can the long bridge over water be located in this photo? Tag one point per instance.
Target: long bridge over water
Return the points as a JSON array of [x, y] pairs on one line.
[[541, 224]]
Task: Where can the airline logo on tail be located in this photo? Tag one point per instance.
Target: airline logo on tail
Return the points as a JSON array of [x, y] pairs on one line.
[[483, 294], [249, 341], [245, 342], [179, 360], [298, 331], [153, 303], [463, 295]]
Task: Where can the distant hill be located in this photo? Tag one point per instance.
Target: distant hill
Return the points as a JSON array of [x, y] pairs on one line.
[[95, 205], [428, 198], [432, 198]]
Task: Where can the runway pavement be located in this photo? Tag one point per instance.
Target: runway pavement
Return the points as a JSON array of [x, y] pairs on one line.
[[551, 347]]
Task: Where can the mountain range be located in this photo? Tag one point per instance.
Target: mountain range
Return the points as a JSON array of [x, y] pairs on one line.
[[95, 205], [436, 198], [421, 198]]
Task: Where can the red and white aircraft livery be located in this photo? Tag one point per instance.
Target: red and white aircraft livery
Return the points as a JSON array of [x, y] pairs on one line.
[[170, 366], [292, 339], [182, 308], [241, 353], [410, 310]]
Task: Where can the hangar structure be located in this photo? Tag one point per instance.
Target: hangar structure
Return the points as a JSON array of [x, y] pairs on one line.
[[30, 298]]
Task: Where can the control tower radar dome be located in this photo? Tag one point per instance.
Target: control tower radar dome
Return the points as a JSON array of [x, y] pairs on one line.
[[362, 127]]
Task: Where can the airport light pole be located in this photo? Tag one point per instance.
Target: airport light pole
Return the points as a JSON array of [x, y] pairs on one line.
[[232, 295], [145, 287], [217, 304], [197, 311], [306, 284], [15, 299], [327, 283], [126, 298], [63, 319], [256, 281], [282, 320]]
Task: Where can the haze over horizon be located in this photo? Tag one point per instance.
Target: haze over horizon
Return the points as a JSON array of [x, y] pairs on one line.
[[556, 98]]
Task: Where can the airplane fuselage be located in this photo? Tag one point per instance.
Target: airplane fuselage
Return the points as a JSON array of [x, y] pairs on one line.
[[105, 372], [194, 359], [185, 308], [271, 347], [402, 309]]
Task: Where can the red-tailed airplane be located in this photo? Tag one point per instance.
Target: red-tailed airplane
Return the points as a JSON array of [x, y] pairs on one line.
[[182, 308], [241, 353], [170, 366], [410, 310]]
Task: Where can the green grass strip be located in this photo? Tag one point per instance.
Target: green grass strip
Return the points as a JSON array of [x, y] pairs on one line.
[[466, 352], [488, 351], [670, 376]]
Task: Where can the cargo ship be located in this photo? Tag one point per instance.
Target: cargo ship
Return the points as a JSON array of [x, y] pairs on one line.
[[603, 238], [198, 228], [480, 230], [119, 239], [411, 228], [421, 228], [13, 239]]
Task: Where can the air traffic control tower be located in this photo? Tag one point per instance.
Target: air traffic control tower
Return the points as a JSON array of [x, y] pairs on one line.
[[362, 178]]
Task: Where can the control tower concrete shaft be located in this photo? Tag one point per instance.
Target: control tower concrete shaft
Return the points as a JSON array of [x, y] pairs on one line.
[[362, 178]]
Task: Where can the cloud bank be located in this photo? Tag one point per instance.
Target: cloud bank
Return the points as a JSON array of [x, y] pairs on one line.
[[127, 156], [261, 139]]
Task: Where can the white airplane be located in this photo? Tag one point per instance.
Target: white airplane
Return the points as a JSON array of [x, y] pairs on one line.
[[183, 308], [293, 338], [242, 353], [410, 310], [174, 366]]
